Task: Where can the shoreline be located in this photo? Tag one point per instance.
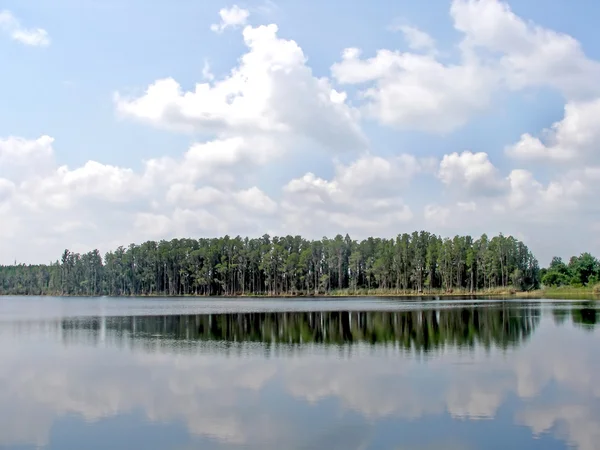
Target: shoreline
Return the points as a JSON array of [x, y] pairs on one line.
[[590, 293]]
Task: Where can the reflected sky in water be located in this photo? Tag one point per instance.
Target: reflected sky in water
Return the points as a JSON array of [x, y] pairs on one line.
[[325, 374]]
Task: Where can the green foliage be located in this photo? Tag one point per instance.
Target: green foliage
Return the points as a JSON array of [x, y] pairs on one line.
[[555, 279], [290, 265], [583, 270]]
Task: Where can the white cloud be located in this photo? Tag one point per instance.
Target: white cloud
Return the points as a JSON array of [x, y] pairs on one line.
[[101, 206], [208, 211], [498, 51], [413, 91], [206, 72], [7, 187], [35, 37], [19, 151], [568, 193], [467, 206], [181, 222], [231, 17], [363, 197], [436, 214], [272, 91], [472, 172], [256, 200], [272, 106], [188, 194], [574, 140], [524, 189], [479, 198], [530, 55], [417, 39]]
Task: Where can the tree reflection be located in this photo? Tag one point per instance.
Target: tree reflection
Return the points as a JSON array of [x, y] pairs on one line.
[[418, 330], [585, 316]]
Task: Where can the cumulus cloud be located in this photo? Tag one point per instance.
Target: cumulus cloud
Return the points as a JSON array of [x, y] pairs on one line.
[[363, 197], [471, 171], [101, 205], [414, 91], [415, 38], [530, 55], [272, 91], [573, 140], [221, 160], [498, 50], [16, 150], [271, 106], [231, 17], [34, 37], [436, 214], [481, 197]]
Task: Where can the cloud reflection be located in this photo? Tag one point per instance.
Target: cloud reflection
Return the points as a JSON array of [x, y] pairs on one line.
[[263, 396]]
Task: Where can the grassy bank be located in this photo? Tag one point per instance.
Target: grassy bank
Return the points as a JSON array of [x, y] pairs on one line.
[[567, 292], [583, 293], [412, 293], [570, 293]]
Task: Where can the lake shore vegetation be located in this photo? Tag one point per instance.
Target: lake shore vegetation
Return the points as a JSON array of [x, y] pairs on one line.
[[414, 263]]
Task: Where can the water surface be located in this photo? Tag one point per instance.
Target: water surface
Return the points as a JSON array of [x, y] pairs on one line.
[[298, 374]]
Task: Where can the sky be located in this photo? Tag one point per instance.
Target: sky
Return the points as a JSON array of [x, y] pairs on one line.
[[127, 120]]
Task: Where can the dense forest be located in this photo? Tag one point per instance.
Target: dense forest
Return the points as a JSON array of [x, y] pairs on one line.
[[290, 265]]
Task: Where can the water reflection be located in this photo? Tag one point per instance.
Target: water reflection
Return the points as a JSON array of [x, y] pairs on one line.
[[496, 376], [419, 330]]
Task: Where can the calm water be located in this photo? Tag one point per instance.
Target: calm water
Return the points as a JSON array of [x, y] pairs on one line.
[[286, 374]]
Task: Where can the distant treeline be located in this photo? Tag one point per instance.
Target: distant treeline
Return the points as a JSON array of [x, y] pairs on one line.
[[290, 265]]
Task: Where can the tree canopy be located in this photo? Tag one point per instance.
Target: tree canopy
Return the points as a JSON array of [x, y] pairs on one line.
[[581, 270], [289, 265]]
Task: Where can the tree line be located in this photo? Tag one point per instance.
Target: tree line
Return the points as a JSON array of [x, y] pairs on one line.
[[291, 265]]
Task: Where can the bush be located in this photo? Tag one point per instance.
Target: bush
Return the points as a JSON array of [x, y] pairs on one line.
[[555, 279], [596, 289]]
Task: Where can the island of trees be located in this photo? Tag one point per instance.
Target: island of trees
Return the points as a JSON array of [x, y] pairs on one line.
[[420, 262]]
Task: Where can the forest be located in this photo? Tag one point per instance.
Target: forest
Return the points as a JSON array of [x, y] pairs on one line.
[[420, 262]]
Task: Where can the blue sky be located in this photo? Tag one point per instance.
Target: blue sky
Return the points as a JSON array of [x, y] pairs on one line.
[[407, 109]]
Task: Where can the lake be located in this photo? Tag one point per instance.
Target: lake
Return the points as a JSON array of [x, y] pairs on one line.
[[352, 374]]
